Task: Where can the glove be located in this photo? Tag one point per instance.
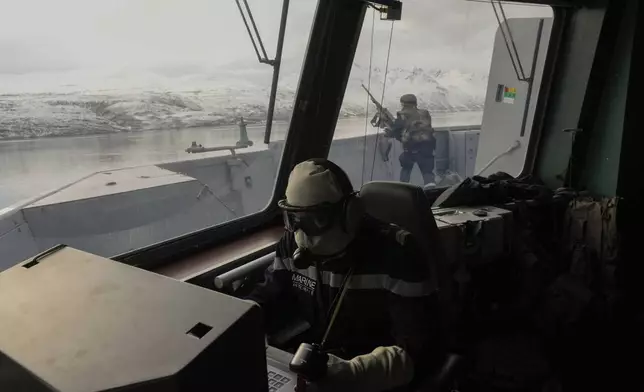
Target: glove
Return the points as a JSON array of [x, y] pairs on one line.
[[383, 369]]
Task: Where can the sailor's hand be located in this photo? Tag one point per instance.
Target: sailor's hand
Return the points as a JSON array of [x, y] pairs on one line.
[[383, 369]]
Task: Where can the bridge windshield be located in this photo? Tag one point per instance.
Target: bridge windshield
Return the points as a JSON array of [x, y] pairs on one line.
[[130, 122], [100, 101], [474, 68]]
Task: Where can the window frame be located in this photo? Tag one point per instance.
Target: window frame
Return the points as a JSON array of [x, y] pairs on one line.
[[553, 57]]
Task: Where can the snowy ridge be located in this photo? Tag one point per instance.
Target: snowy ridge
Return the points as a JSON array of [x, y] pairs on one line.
[[73, 103], [436, 90]]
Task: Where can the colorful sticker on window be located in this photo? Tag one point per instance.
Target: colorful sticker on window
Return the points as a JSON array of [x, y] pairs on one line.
[[509, 95]]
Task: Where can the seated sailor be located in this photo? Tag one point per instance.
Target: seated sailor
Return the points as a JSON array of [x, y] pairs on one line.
[[336, 265]]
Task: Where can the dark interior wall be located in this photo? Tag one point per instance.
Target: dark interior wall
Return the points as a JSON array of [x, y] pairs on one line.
[[601, 94], [572, 73], [630, 187], [600, 171], [589, 92], [597, 88]]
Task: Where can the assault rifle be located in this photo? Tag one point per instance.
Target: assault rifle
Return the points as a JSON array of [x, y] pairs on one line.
[[383, 117]]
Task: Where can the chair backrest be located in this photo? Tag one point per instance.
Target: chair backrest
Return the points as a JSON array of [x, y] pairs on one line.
[[407, 206]]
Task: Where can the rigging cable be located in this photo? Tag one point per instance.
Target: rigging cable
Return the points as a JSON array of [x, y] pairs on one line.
[[384, 85], [514, 46], [512, 147], [520, 77], [366, 116], [206, 188], [513, 3]]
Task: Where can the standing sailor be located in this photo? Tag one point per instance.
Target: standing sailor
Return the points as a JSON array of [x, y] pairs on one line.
[[413, 128]]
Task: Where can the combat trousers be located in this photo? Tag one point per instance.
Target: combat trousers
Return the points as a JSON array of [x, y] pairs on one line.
[[423, 158]]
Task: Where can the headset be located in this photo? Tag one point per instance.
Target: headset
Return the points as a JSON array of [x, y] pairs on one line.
[[352, 209]]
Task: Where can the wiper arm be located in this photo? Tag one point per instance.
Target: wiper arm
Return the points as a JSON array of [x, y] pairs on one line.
[[262, 57], [255, 39]]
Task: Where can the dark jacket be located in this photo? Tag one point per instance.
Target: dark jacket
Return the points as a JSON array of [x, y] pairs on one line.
[[387, 302]]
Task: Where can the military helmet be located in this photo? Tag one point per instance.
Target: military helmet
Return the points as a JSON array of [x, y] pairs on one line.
[[408, 99]]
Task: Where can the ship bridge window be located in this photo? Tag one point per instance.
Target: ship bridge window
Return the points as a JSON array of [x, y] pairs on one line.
[[474, 70], [125, 123]]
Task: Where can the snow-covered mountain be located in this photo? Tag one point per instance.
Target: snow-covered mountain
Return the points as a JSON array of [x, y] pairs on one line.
[[73, 103], [436, 89]]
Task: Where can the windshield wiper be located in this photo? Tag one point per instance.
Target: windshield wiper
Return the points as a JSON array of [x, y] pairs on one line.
[[262, 57]]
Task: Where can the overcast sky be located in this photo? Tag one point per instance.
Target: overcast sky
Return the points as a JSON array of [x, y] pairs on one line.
[[50, 35]]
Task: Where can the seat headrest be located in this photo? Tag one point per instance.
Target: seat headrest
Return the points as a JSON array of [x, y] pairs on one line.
[[395, 202], [407, 206]]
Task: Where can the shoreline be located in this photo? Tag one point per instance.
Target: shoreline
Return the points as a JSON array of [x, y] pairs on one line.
[[249, 123]]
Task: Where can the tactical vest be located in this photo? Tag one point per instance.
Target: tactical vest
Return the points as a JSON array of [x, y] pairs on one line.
[[418, 126]]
